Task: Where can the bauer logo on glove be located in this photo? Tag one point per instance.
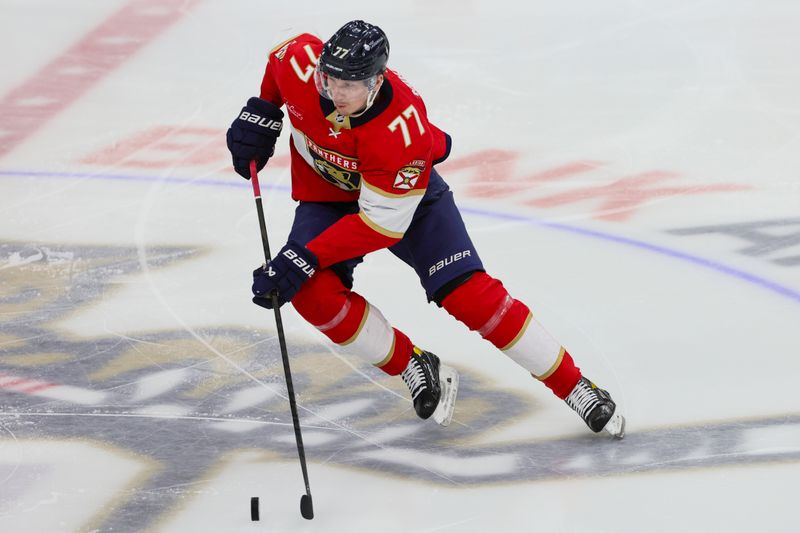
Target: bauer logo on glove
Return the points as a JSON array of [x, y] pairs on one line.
[[284, 275], [264, 122], [301, 263]]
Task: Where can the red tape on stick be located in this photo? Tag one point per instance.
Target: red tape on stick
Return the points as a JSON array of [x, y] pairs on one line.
[[254, 179]]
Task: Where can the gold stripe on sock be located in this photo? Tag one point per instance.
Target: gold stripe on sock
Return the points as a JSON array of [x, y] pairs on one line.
[[388, 357], [519, 335], [360, 327], [552, 368]]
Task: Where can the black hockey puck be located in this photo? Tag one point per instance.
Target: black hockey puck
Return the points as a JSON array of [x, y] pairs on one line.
[[306, 507], [254, 513]]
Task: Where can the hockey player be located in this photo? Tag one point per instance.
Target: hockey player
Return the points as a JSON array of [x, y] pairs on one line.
[[363, 167]]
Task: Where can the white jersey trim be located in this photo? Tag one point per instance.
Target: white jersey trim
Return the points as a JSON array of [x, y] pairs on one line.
[[388, 213], [299, 141]]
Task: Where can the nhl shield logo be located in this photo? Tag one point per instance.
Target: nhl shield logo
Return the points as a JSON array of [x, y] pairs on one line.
[[406, 178]]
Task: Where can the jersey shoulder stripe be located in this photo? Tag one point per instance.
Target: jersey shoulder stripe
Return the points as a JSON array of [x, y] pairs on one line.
[[301, 38]]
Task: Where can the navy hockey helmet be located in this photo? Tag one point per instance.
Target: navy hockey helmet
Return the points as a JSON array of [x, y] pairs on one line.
[[357, 51]]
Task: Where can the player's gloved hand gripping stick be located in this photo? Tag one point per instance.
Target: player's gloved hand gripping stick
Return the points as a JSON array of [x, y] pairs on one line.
[[306, 505]]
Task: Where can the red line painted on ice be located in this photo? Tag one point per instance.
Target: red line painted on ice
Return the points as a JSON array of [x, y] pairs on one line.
[[34, 387], [164, 147], [66, 78], [38, 387], [24, 385], [622, 198]]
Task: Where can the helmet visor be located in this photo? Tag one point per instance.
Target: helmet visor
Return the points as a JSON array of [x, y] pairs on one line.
[[343, 90]]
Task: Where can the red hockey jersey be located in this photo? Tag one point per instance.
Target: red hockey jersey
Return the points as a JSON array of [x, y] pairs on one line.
[[382, 159]]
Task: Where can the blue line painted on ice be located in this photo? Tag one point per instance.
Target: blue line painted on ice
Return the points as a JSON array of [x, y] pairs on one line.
[[137, 178], [700, 261], [642, 245]]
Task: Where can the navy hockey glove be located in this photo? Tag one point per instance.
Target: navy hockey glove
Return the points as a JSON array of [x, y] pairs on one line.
[[253, 134], [285, 274]]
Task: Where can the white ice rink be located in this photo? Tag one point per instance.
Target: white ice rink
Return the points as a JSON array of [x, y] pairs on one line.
[[629, 169]]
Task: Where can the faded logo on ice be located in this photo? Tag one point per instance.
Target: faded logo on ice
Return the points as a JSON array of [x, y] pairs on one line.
[[161, 393]]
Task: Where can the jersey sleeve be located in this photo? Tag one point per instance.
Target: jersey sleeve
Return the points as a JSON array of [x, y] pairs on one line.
[[279, 61], [269, 88], [382, 220], [394, 179], [349, 237]]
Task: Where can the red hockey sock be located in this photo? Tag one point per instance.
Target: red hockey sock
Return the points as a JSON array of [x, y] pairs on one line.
[[401, 353], [342, 315], [330, 307], [564, 377], [484, 305]]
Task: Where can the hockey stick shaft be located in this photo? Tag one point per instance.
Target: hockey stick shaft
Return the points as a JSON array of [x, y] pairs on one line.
[[279, 324]]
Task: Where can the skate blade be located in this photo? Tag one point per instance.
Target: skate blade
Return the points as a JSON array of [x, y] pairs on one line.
[[616, 426], [448, 380]]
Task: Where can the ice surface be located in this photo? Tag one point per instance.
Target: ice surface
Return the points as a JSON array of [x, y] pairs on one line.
[[628, 169]]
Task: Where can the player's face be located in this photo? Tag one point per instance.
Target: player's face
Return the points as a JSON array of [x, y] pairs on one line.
[[348, 96]]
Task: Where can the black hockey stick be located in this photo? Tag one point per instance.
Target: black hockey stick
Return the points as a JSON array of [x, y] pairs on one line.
[[306, 505]]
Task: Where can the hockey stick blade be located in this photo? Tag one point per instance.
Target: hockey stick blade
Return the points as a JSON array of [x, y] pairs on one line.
[[306, 507], [255, 514]]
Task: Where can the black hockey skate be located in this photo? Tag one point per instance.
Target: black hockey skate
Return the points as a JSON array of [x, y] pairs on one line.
[[596, 408], [433, 386]]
